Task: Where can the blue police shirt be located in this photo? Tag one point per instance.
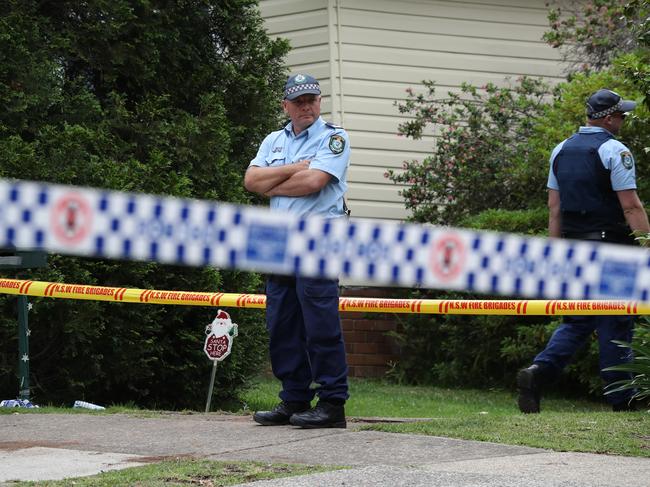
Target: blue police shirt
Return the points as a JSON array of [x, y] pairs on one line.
[[327, 147], [615, 156]]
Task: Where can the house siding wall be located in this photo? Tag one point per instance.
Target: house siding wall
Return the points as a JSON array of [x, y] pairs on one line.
[[389, 46]]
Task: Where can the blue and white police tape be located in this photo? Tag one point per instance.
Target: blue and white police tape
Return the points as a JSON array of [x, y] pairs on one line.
[[110, 224]]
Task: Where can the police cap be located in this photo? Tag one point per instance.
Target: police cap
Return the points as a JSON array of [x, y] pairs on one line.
[[605, 102], [301, 84]]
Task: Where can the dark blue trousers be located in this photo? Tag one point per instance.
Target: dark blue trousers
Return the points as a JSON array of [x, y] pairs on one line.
[[306, 342], [575, 330]]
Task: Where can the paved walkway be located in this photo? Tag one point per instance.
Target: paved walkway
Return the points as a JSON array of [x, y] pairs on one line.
[[55, 446]]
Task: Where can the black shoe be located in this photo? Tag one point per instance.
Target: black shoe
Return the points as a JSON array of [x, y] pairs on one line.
[[530, 389], [323, 415], [280, 414]]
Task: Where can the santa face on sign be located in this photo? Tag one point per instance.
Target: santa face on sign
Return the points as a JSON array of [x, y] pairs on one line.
[[220, 334]]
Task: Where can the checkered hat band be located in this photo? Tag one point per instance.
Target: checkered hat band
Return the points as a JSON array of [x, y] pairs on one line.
[[303, 87], [114, 225], [609, 111]]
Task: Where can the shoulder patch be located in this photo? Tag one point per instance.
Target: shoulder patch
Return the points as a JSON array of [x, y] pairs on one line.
[[337, 144], [627, 160]]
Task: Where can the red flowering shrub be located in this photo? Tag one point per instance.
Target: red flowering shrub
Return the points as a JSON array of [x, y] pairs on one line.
[[482, 158]]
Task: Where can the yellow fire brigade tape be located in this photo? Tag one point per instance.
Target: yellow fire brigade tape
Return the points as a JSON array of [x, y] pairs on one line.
[[368, 305]]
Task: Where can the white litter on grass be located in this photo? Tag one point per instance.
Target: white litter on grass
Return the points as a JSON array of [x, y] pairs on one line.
[[17, 403]]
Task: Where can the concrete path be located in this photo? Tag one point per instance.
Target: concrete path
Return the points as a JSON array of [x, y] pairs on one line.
[[55, 446]]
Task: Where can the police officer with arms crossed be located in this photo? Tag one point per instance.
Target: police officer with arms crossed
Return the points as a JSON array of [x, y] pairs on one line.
[[591, 196], [302, 168]]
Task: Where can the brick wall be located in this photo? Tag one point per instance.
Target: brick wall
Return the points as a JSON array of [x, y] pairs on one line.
[[367, 347]]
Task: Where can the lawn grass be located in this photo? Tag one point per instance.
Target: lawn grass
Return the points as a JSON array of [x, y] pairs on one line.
[[375, 398], [488, 415], [183, 472], [592, 432]]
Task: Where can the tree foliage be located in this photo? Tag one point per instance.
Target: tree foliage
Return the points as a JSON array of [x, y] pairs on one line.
[[159, 97], [592, 33]]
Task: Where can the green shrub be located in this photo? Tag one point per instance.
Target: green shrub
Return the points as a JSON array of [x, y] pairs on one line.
[[109, 352], [134, 96], [527, 222]]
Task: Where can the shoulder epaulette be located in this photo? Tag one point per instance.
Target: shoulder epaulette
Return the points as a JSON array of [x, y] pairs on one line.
[[333, 125]]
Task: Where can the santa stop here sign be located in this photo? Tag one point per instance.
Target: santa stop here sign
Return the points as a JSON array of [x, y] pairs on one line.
[[220, 335]]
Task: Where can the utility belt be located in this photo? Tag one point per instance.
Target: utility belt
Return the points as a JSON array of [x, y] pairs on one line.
[[603, 236]]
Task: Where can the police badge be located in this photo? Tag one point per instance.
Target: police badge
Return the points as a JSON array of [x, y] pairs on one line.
[[627, 160], [337, 144]]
